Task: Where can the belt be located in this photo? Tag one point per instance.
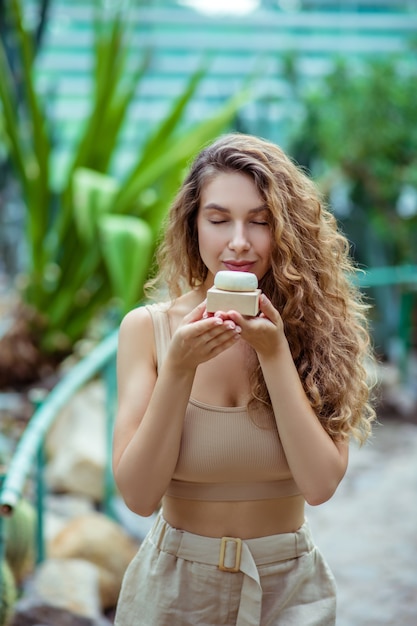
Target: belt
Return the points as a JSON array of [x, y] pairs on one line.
[[232, 555]]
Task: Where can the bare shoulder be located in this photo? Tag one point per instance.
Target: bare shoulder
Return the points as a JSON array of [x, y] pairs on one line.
[[136, 320], [136, 338]]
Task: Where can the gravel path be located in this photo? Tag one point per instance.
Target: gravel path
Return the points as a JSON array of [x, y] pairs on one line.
[[368, 531]]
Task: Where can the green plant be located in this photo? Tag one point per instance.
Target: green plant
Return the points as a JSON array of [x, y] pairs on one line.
[[83, 227], [8, 593], [20, 540], [359, 138]]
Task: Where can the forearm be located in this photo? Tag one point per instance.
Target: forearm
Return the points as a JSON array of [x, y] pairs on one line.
[[147, 464], [152, 406], [315, 460]]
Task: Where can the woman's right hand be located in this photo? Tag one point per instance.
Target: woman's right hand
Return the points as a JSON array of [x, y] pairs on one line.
[[201, 337]]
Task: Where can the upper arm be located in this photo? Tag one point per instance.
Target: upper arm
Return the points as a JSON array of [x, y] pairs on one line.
[[136, 376], [342, 446]]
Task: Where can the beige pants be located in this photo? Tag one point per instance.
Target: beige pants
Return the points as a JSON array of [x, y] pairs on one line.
[[181, 579]]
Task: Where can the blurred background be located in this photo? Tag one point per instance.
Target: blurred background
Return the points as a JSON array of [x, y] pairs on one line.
[[103, 104]]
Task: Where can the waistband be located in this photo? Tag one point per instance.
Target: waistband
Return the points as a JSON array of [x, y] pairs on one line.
[[232, 555]]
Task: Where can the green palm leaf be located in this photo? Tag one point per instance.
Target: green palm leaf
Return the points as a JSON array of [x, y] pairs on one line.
[[127, 244]]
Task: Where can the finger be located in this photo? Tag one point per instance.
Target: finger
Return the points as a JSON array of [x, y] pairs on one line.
[[207, 338], [267, 308], [234, 316], [205, 329], [221, 343], [218, 327]]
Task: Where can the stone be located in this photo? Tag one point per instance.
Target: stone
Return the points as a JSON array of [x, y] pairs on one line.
[[61, 509], [99, 540], [71, 585], [29, 613], [76, 445]]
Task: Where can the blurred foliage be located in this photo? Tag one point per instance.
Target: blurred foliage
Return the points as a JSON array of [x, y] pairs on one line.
[[8, 593], [90, 238], [355, 131], [358, 137]]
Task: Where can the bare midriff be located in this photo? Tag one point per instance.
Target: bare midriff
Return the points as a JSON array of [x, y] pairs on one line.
[[247, 520]]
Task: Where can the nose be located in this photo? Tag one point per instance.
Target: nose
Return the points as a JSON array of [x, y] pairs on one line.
[[239, 239]]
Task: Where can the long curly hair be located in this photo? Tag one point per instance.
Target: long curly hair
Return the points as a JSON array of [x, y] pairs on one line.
[[310, 281]]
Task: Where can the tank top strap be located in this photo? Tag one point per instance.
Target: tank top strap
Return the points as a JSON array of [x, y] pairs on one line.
[[162, 331]]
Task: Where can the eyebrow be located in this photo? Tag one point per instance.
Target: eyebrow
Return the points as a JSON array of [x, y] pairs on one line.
[[217, 207]]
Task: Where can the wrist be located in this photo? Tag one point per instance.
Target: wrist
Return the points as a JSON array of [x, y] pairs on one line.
[[179, 368], [273, 351]]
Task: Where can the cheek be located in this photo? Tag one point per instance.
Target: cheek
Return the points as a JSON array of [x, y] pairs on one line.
[[202, 238], [206, 243], [264, 243], [209, 239]]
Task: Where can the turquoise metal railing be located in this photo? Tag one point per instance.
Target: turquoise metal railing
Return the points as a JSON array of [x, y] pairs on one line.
[[382, 276], [101, 361], [29, 450]]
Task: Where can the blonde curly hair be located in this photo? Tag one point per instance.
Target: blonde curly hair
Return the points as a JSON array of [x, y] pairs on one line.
[[309, 282]]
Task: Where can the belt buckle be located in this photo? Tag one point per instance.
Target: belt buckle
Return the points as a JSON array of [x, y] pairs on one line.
[[238, 543]]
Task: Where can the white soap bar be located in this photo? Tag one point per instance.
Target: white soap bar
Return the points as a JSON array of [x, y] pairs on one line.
[[236, 281]]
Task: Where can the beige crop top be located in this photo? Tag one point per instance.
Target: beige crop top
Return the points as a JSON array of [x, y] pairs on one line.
[[225, 454]]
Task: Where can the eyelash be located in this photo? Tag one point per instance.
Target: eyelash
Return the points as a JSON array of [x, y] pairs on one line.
[[225, 221]]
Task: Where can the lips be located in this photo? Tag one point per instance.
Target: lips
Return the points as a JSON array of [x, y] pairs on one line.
[[239, 266]]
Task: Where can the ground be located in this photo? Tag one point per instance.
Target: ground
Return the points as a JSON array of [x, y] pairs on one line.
[[367, 531]]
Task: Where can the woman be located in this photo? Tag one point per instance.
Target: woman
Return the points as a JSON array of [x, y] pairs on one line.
[[234, 422]]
